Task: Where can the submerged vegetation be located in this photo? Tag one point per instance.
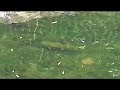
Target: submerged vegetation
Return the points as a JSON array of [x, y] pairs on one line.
[[83, 45]]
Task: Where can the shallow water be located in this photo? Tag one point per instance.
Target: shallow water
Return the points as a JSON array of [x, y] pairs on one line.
[[49, 47]]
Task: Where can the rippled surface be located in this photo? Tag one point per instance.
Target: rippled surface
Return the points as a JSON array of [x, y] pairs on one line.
[[84, 45]]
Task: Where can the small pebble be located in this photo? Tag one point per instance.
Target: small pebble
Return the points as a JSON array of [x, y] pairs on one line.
[[63, 72], [17, 75], [59, 63]]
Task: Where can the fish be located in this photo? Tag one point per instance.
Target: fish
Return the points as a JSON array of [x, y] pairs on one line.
[[56, 45]]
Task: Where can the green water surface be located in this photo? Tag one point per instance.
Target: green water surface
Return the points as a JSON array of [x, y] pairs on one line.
[[50, 47]]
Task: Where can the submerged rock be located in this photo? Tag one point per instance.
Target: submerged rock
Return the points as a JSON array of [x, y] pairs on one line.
[[87, 61], [9, 17]]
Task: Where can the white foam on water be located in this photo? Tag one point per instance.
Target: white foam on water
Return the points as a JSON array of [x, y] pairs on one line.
[[2, 14]]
